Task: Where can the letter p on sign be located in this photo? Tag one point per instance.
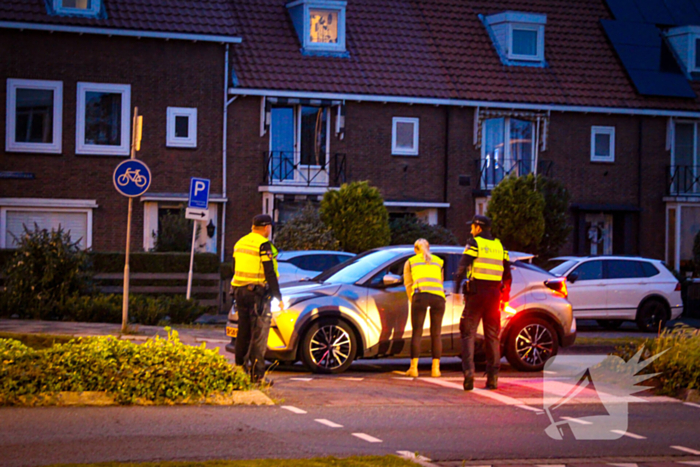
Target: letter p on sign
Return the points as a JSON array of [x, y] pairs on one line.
[[199, 193]]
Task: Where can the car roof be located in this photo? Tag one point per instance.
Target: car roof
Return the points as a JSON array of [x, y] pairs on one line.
[[288, 254], [581, 258]]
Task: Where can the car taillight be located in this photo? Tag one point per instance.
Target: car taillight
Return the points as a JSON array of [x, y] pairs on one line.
[[558, 286], [678, 287]]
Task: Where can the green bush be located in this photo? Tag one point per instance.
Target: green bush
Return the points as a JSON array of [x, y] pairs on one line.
[[517, 211], [143, 309], [158, 371], [174, 233], [406, 230], [306, 231], [557, 200], [46, 268], [357, 216], [679, 366]]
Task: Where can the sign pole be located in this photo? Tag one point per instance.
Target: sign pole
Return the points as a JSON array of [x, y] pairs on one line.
[[189, 276], [135, 146]]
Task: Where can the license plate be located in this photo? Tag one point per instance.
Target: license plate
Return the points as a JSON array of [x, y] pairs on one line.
[[231, 332]]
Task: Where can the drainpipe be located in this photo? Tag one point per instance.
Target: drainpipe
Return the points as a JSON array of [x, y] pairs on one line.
[[639, 186], [227, 102]]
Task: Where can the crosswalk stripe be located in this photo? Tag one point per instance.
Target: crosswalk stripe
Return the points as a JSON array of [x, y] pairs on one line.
[[688, 450], [628, 434], [293, 409], [576, 420], [368, 438], [485, 393], [329, 423]]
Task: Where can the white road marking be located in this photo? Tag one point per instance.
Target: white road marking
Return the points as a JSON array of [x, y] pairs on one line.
[[551, 465], [415, 458], [627, 433], [688, 450], [624, 465], [349, 378], [368, 438], [292, 409], [485, 393], [403, 378], [690, 462], [301, 379], [692, 404], [576, 420], [329, 423]]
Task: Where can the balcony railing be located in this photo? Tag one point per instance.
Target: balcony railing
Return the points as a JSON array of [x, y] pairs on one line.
[[492, 172], [289, 168], [683, 180]]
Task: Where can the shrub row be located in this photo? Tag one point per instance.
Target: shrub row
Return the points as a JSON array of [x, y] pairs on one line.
[[101, 308], [163, 371], [679, 366]]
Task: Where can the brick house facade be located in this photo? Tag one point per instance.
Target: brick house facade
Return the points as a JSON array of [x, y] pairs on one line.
[[305, 113]]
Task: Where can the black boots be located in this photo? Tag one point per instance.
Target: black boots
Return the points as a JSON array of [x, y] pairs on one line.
[[491, 381], [468, 383]]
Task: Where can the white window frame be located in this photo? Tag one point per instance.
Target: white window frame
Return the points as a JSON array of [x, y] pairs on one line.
[[173, 141], [328, 5], [603, 130], [396, 151], [91, 12], [98, 149], [507, 157], [11, 145], [46, 204], [539, 29]]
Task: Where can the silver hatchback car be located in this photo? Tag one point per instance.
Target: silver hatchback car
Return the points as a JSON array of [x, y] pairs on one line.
[[359, 309]]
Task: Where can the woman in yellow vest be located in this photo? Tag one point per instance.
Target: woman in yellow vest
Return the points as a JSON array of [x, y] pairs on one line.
[[423, 277]]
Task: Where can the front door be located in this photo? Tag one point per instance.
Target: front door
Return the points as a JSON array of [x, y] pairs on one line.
[[588, 293]]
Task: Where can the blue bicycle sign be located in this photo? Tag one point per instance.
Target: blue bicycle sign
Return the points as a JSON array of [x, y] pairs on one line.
[[132, 178]]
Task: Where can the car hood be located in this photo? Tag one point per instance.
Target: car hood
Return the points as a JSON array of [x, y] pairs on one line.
[[302, 287]]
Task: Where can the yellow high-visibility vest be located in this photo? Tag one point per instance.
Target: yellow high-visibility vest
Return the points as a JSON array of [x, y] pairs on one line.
[[427, 277], [249, 262], [488, 259]]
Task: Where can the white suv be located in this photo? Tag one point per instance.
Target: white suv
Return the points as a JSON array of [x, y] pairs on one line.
[[613, 289]]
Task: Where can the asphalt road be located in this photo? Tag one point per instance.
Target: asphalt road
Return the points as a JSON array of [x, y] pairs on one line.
[[368, 410]]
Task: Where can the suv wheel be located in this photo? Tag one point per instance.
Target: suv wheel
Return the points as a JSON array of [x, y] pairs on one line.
[[530, 343], [328, 346], [652, 316]]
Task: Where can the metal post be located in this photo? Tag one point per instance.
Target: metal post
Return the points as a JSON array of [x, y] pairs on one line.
[[135, 134], [189, 276]]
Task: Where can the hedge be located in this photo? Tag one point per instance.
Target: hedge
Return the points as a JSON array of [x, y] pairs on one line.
[[162, 371], [678, 366]]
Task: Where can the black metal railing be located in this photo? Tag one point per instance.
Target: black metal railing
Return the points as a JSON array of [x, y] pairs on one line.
[[492, 172], [683, 180], [282, 167]]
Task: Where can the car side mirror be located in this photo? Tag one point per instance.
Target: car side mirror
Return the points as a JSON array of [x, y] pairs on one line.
[[572, 277], [391, 279]]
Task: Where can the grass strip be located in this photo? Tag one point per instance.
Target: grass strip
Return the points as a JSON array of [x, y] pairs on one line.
[[609, 341], [355, 461]]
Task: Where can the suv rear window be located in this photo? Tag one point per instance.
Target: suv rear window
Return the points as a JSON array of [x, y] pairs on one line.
[[629, 269]]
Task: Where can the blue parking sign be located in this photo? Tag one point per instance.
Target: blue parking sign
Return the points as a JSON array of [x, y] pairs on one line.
[[199, 193]]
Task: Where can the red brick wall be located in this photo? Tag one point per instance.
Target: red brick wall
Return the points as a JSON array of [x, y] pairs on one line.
[[161, 74]]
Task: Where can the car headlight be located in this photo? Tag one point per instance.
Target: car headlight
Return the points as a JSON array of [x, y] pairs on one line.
[[290, 301]]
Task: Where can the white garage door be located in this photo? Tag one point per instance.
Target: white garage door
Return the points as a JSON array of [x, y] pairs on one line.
[[76, 223]]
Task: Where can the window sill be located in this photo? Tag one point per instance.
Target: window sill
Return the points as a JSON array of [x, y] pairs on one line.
[[405, 154], [602, 161], [52, 150]]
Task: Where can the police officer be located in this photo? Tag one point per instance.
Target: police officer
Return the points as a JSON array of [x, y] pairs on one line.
[[423, 277], [488, 285], [254, 284]]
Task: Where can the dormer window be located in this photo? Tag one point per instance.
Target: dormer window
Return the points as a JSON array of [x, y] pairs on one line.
[[320, 24], [518, 37], [685, 41], [86, 8]]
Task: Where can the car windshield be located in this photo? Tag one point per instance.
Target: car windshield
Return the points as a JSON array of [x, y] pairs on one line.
[[559, 267], [354, 269]]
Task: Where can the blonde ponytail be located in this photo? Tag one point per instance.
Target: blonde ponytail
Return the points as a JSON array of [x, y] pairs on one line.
[[422, 246]]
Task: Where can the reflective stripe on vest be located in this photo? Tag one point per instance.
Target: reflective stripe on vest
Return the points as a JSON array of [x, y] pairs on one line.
[[427, 277], [249, 265], [488, 265]]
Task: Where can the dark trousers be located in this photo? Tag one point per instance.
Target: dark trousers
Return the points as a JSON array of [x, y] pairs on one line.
[[254, 319], [484, 305], [419, 305]]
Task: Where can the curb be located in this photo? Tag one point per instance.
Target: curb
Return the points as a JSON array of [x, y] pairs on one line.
[[102, 399]]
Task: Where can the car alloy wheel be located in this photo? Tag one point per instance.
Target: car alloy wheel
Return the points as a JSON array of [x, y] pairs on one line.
[[530, 344], [329, 346], [652, 316]]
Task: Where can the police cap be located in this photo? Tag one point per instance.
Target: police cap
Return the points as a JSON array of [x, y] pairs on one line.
[[482, 221], [262, 220]]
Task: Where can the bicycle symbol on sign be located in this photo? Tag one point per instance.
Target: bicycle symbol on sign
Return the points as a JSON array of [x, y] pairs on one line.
[[132, 175]]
